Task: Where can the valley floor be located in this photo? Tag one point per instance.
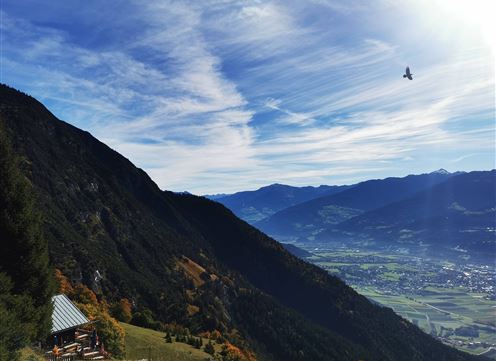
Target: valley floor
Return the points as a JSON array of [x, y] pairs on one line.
[[454, 302]]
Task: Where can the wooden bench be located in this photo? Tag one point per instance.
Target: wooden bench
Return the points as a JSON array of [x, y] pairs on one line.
[[69, 354], [90, 355], [70, 347], [83, 336]]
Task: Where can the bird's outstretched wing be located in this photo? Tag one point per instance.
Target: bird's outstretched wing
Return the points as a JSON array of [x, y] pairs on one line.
[[408, 71]]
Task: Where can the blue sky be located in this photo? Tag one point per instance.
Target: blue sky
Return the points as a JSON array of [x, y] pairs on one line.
[[220, 96]]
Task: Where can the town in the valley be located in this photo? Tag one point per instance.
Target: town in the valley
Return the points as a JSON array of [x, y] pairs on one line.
[[454, 300]]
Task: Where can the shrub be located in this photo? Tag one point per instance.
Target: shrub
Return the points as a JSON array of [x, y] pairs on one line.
[[209, 348], [145, 319]]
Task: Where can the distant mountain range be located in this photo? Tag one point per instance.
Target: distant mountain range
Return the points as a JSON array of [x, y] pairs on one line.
[[459, 212], [312, 217], [253, 206], [188, 261], [438, 209]]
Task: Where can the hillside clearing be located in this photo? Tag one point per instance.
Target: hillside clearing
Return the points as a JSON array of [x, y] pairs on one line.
[[143, 343]]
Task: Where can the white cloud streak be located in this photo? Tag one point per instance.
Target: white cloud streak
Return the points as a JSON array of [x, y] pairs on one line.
[[229, 95]]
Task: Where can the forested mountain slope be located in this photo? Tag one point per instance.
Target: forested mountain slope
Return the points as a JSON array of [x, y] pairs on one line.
[[26, 278]]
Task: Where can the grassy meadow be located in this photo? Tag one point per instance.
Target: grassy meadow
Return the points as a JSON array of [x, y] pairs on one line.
[[143, 343]]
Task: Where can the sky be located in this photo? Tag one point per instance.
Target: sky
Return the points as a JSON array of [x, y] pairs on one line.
[[220, 96]]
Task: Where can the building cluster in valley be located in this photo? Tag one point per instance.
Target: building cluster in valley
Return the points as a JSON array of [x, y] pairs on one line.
[[411, 274]]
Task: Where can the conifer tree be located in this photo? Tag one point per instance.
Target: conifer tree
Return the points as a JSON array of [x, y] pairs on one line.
[[26, 278], [209, 348]]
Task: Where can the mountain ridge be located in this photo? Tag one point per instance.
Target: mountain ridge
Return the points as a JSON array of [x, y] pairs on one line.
[[253, 206], [333, 209], [461, 205]]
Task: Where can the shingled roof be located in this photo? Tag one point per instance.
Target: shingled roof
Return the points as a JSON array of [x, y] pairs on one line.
[[66, 315]]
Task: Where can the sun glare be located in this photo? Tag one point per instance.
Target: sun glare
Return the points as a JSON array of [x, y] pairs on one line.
[[474, 15]]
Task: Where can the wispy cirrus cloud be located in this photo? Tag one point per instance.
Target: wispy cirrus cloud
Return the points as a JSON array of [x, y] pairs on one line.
[[290, 117], [226, 95]]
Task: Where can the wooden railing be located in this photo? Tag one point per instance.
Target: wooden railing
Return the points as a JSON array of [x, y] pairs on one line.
[[79, 349]]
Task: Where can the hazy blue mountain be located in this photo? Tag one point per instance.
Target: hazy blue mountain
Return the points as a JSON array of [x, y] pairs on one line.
[[214, 197], [308, 219], [458, 212], [253, 206]]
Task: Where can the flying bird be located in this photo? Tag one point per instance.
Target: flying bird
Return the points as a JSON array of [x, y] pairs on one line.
[[407, 73]]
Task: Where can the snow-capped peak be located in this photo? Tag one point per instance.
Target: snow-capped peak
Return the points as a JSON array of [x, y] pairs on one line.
[[441, 171]]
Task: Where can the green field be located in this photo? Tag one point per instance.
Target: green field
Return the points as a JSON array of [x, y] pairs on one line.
[[441, 310], [437, 309], [143, 343]]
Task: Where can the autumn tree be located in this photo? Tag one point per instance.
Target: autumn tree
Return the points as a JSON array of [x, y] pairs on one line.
[[122, 310], [108, 328], [63, 283], [230, 352], [82, 294]]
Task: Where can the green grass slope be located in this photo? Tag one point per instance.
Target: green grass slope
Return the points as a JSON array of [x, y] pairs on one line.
[[141, 343]]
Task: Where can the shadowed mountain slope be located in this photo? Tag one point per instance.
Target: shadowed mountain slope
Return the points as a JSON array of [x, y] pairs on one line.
[[312, 217], [458, 212]]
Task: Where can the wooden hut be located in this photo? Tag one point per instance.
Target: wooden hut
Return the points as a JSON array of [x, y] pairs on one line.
[[66, 320]]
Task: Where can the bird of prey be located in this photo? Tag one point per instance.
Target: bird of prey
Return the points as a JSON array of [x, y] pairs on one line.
[[407, 73]]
